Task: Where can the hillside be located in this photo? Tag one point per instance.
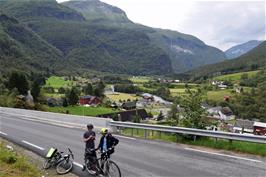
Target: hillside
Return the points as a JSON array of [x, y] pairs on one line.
[[241, 49], [86, 46], [252, 60], [185, 51], [24, 50]]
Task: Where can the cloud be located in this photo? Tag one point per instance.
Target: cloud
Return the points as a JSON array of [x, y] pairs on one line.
[[224, 24]]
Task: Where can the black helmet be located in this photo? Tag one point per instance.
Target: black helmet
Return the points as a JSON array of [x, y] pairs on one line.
[[90, 126]]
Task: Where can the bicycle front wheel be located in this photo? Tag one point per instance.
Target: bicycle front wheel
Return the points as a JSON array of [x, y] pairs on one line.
[[64, 167], [112, 169]]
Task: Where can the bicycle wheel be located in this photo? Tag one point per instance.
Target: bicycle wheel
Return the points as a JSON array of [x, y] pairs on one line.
[[47, 164], [64, 167], [112, 169]]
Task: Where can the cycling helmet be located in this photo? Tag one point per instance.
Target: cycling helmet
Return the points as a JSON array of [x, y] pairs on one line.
[[90, 126], [104, 130]]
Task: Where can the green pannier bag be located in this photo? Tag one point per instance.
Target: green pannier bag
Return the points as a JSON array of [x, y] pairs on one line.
[[51, 152]]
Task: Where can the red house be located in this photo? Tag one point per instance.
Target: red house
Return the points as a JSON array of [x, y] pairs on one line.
[[90, 100], [259, 128]]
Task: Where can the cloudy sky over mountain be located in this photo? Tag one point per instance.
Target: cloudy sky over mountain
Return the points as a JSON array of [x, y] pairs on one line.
[[218, 23]]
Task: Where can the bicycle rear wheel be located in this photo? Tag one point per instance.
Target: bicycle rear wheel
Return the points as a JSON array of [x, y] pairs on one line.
[[112, 169], [64, 167], [47, 164]]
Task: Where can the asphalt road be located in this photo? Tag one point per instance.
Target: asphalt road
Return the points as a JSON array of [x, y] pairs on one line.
[[137, 157]]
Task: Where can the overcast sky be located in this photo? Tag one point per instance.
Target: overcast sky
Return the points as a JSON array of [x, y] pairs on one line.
[[218, 23]]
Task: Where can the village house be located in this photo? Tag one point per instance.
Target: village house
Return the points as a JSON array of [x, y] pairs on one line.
[[89, 100], [127, 116], [243, 126], [147, 96], [129, 105], [222, 86], [52, 102], [221, 113]]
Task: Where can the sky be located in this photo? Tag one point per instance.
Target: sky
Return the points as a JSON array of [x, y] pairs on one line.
[[218, 23]]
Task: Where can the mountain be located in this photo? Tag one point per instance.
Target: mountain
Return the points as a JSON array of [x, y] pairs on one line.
[[87, 46], [185, 51], [253, 60], [22, 49], [91, 35], [241, 49]]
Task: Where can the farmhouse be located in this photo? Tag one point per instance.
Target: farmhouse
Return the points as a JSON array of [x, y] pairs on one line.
[[89, 100]]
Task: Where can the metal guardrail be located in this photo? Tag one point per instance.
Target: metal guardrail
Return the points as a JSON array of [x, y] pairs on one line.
[[190, 131]]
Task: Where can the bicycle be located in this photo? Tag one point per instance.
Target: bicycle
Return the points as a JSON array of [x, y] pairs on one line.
[[56, 159], [65, 164], [101, 166]]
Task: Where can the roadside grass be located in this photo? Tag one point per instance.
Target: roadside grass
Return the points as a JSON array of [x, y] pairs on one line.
[[236, 76], [237, 146], [218, 95], [81, 110], [122, 96], [12, 164], [57, 82]]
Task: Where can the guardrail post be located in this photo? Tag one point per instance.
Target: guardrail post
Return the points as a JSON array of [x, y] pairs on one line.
[[230, 141], [132, 131], [194, 138], [160, 135], [145, 134]]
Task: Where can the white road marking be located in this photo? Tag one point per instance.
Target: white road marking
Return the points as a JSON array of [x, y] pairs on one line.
[[3, 133], [78, 164], [225, 155], [125, 137], [33, 145]]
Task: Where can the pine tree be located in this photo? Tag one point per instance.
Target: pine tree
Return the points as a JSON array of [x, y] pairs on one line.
[[35, 90], [88, 90], [18, 81], [73, 97]]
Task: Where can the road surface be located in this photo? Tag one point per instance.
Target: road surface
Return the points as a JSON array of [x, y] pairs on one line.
[[136, 157]]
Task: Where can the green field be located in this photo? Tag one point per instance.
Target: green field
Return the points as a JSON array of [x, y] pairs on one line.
[[237, 146], [122, 96], [12, 164], [82, 110], [235, 77], [57, 82], [179, 91], [140, 79], [218, 95]]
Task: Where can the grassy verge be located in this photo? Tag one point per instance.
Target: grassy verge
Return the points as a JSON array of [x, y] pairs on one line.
[[237, 146], [12, 165], [81, 110]]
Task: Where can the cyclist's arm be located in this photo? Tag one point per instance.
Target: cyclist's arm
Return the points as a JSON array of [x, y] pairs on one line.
[[89, 138]]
